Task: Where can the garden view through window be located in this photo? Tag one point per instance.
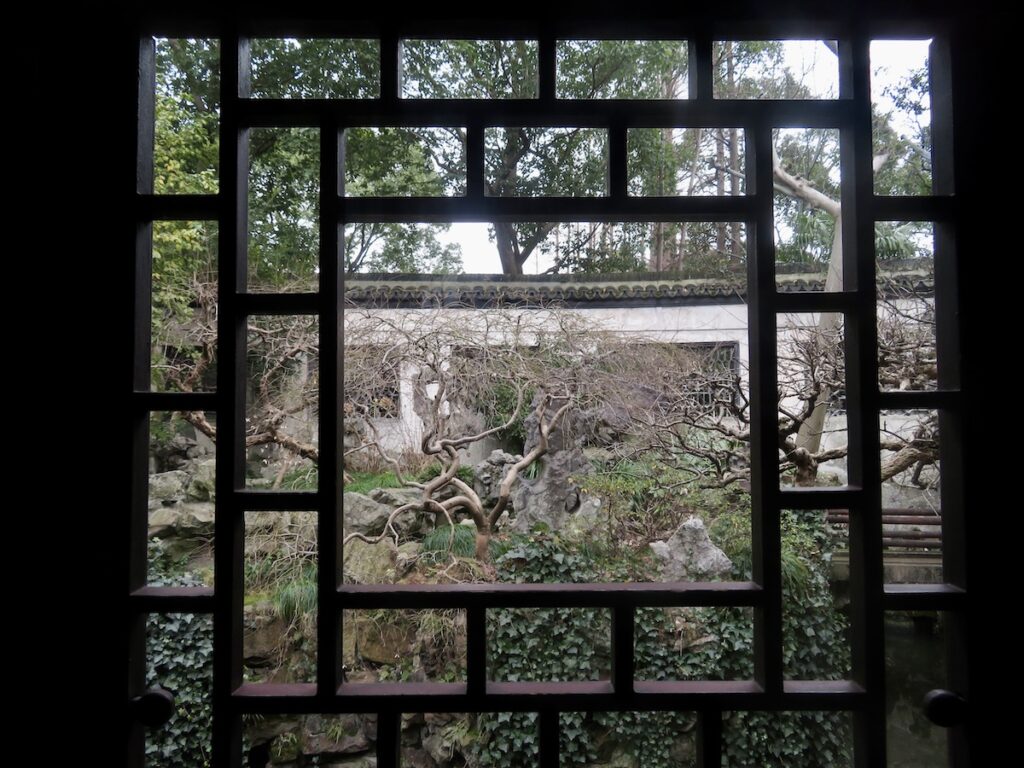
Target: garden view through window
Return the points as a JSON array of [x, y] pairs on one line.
[[527, 408]]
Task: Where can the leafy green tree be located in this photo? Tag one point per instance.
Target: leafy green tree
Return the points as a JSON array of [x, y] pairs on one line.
[[537, 161], [187, 107], [184, 253], [385, 162], [522, 161], [525, 161]]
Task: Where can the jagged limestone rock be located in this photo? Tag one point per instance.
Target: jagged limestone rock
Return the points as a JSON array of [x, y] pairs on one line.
[[555, 497], [185, 521], [619, 758], [202, 486], [167, 488], [334, 735], [395, 497], [407, 556], [603, 426], [416, 521], [361, 761], [690, 555], [488, 474], [437, 745], [361, 514], [370, 563], [684, 750]]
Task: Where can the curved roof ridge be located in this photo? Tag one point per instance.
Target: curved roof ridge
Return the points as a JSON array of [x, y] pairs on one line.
[[908, 277]]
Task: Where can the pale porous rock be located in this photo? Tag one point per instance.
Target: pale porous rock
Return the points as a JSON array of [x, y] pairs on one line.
[[362, 761], [334, 735], [560, 438], [603, 426], [268, 728], [181, 450], [186, 521], [406, 558], [411, 720], [437, 745], [555, 497], [340, 741], [257, 523], [488, 474], [361, 514], [435, 738], [270, 534], [684, 750], [371, 563], [689, 555], [202, 486], [415, 521], [395, 497], [167, 488]]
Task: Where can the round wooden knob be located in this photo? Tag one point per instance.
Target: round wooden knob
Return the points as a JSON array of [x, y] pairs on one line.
[[945, 708], [153, 707]]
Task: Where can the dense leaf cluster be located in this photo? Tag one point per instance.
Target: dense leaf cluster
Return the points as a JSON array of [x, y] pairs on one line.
[[573, 644], [179, 658]]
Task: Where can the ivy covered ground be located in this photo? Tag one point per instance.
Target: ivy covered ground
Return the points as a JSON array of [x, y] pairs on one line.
[[527, 644]]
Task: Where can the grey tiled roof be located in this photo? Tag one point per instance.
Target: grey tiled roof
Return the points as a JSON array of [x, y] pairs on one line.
[[481, 290]]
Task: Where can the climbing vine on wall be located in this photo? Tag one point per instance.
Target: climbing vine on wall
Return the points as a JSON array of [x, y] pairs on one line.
[[179, 658]]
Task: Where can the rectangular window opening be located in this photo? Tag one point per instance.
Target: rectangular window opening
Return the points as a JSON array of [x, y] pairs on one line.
[[558, 385], [622, 69]]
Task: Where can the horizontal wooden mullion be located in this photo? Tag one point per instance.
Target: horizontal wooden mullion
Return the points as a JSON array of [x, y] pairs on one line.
[[816, 301], [590, 696], [526, 113], [276, 501], [278, 303], [443, 210], [842, 497], [924, 597], [175, 401], [913, 208], [172, 600], [549, 595]]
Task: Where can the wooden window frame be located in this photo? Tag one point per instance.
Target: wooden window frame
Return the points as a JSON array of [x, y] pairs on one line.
[[863, 694]]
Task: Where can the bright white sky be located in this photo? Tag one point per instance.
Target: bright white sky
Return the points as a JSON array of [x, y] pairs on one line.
[[891, 60]]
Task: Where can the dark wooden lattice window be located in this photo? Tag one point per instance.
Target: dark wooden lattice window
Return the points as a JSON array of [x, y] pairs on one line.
[[849, 113], [717, 368]]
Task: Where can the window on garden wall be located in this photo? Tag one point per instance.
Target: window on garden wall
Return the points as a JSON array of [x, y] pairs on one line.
[[512, 396], [716, 373]]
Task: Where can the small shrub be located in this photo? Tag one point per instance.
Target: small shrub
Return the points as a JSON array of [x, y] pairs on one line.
[[295, 599], [364, 482], [460, 540]]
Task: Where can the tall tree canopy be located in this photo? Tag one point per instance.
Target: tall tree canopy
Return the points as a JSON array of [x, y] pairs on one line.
[[520, 161]]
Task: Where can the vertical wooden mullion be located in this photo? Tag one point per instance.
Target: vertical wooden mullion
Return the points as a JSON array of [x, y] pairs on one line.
[[138, 489], [867, 614], [549, 737], [709, 739], [229, 522], [330, 428], [952, 433], [766, 543], [623, 655]]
